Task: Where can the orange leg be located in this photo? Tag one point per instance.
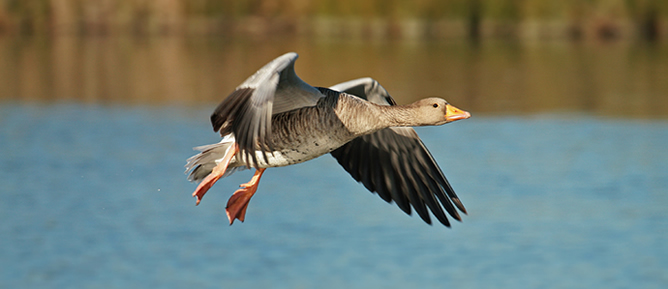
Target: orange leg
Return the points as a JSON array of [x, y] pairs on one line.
[[238, 203], [216, 174]]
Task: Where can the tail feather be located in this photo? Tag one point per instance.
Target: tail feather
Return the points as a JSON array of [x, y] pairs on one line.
[[201, 164]]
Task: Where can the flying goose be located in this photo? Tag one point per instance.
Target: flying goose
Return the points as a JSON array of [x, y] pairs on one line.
[[275, 119]]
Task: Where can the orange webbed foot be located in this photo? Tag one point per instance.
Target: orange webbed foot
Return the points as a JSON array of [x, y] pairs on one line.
[[238, 202], [217, 172]]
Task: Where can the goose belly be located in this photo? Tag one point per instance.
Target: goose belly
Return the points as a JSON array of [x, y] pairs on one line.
[[298, 153], [303, 134]]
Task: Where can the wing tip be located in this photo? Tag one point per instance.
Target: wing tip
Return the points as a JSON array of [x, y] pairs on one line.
[[459, 205]]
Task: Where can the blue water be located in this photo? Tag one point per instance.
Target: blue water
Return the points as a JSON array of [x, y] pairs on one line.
[[95, 197]]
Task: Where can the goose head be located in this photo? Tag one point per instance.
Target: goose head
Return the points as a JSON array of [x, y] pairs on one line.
[[436, 111]]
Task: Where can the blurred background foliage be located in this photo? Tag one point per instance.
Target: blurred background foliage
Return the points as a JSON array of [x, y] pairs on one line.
[[493, 56], [522, 19]]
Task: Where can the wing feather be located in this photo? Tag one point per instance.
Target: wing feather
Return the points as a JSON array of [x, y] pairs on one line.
[[396, 164], [248, 110]]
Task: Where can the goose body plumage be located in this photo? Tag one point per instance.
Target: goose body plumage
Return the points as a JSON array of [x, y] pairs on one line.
[[275, 119]]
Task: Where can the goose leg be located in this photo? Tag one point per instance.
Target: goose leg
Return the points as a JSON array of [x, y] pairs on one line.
[[217, 172], [238, 202]]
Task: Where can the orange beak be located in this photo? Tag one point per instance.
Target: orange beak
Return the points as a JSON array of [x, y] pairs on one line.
[[452, 113]]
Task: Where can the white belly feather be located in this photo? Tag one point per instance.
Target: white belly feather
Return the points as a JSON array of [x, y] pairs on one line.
[[289, 156]]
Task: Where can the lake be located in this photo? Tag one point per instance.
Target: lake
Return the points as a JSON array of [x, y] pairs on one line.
[[562, 169]]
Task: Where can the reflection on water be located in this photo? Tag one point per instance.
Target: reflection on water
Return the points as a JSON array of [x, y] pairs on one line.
[[96, 197], [618, 79]]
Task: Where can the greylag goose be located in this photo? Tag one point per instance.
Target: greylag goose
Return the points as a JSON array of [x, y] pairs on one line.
[[275, 119]]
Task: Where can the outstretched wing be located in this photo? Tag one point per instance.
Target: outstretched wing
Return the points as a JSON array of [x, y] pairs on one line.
[[248, 110], [394, 163]]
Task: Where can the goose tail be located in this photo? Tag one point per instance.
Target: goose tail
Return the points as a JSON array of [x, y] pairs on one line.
[[200, 165]]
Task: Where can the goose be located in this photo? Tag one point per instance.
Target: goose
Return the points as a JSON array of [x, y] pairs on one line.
[[275, 119]]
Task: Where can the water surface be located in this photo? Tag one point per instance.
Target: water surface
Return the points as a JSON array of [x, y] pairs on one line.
[[562, 168], [95, 197]]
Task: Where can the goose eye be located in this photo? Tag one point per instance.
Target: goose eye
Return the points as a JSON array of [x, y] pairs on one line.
[[435, 105]]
